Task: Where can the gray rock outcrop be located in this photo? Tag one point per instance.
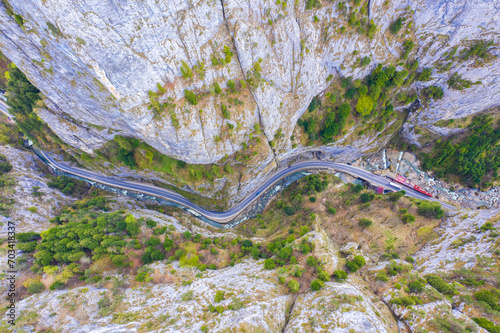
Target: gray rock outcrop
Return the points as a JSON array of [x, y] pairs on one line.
[[96, 61]]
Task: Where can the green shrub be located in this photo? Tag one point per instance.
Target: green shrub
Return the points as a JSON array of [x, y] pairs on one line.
[[289, 210], [407, 218], [120, 260], [153, 241], [219, 296], [168, 244], [365, 61], [359, 260], [23, 97], [371, 29], [430, 209], [311, 261], [440, 285], [225, 111], [231, 85], [293, 285], [314, 105], [5, 165], [55, 30], [36, 287], [217, 88], [317, 284], [489, 298], [191, 97], [212, 267], [27, 247], [487, 226], [487, 325], [297, 271], [186, 71], [305, 248], [456, 82], [352, 266], [396, 26], [425, 75], [367, 197], [407, 48], [331, 210], [269, 263], [416, 286], [285, 252], [395, 196], [142, 277], [340, 275], [24, 237], [364, 222], [151, 223], [433, 92], [180, 253], [365, 105], [357, 188], [56, 285], [382, 276], [19, 20], [229, 54], [323, 276], [406, 300], [69, 186], [310, 4], [363, 90]]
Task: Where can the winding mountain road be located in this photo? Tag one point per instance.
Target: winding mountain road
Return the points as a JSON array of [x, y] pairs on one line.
[[229, 215]]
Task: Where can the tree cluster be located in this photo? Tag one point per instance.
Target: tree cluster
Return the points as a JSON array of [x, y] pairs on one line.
[[23, 97], [472, 159]]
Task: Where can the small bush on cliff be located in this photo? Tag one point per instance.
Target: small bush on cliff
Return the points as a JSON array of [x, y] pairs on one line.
[[364, 222], [317, 284], [186, 71], [293, 285], [396, 26], [191, 97]]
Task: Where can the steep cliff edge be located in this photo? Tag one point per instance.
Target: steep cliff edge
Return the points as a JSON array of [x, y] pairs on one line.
[[123, 67]]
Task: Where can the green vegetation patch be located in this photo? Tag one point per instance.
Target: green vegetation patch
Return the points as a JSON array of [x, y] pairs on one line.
[[5, 165], [69, 186], [138, 155], [372, 99], [474, 159], [84, 233], [23, 97], [487, 325]]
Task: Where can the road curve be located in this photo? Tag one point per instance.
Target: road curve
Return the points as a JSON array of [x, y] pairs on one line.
[[232, 213]]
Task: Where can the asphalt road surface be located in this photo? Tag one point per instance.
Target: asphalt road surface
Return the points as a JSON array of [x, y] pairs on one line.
[[229, 215]]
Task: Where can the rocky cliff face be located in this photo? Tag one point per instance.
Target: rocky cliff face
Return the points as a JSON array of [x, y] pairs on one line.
[[96, 62]]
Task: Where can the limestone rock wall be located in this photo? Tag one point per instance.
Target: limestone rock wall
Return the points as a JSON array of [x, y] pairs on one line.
[[96, 62]]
